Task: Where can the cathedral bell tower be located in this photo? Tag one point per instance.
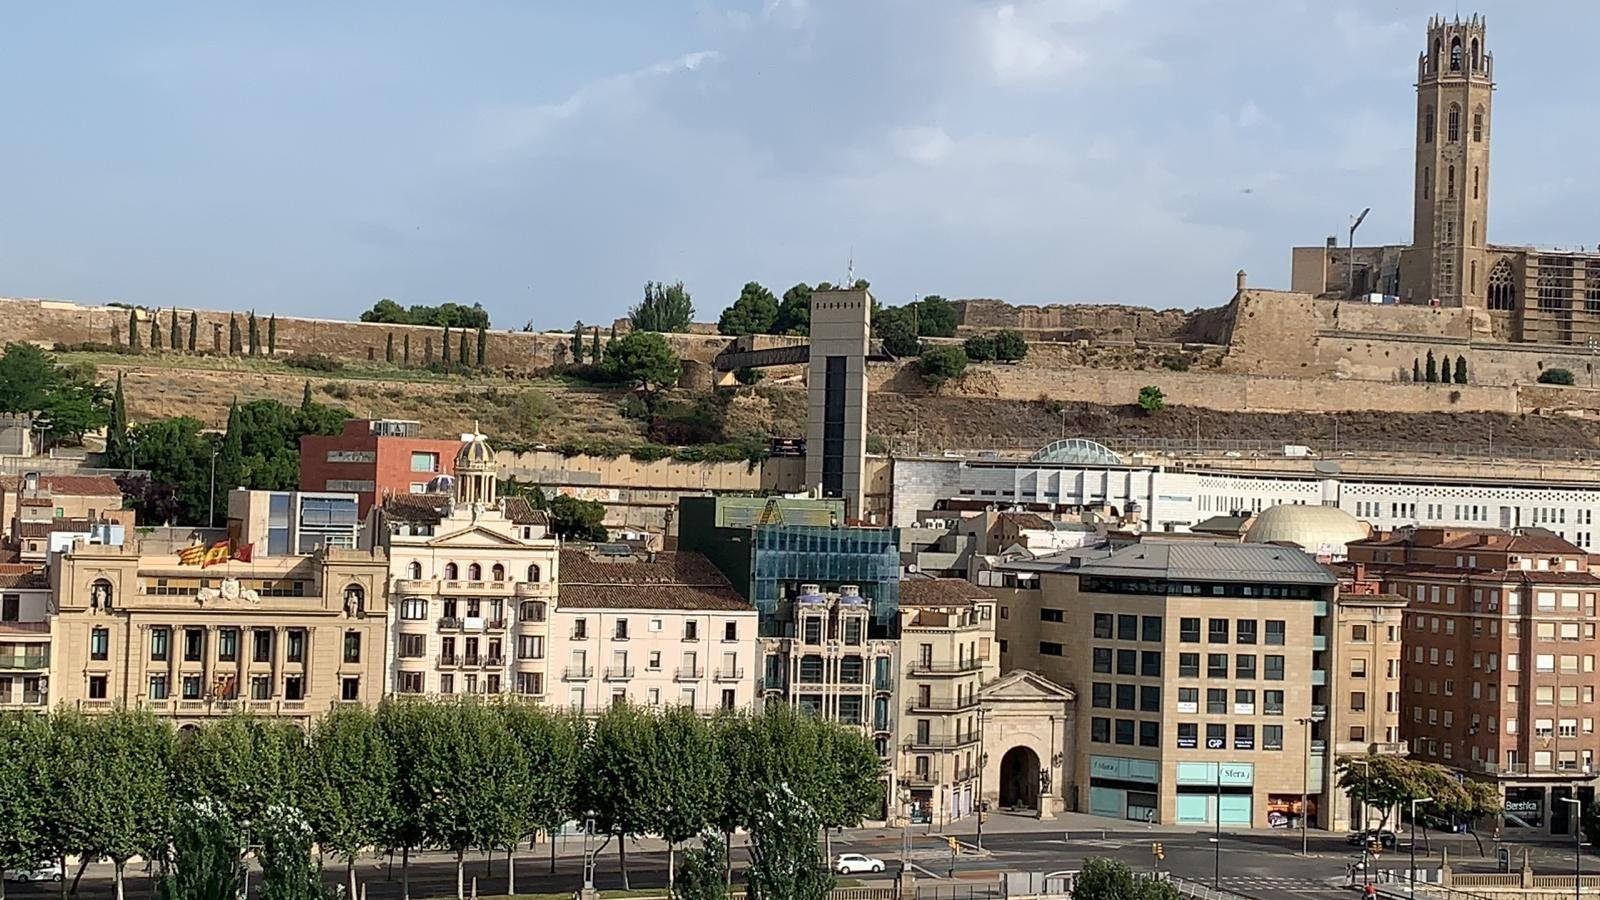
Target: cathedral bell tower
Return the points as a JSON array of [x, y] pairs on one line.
[[1455, 81]]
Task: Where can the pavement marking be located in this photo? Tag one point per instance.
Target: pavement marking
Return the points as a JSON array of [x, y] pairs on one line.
[[930, 874]]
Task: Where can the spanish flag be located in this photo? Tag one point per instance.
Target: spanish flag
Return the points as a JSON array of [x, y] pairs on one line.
[[216, 554], [192, 555]]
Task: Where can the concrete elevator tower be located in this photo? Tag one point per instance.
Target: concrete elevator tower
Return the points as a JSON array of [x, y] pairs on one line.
[[836, 395]]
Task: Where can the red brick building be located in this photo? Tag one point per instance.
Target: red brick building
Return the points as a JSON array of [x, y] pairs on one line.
[[374, 458]]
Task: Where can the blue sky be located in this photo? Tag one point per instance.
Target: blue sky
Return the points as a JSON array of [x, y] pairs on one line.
[[547, 158]]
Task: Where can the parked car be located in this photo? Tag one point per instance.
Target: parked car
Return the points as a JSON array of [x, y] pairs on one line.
[[856, 863], [1385, 838], [50, 871]]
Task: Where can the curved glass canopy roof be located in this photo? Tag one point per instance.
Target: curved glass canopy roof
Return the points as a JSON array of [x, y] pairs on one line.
[[1077, 451]]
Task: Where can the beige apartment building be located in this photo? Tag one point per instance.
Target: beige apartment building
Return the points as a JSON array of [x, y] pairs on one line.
[[287, 636], [1207, 672], [658, 629], [472, 577], [1368, 642], [25, 626]]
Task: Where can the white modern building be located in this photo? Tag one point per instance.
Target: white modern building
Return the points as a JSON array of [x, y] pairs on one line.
[[1170, 497]]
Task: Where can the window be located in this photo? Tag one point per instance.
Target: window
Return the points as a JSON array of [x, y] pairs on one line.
[[1125, 732], [730, 630], [1272, 702], [1100, 694], [350, 688], [1054, 615], [619, 630], [1274, 668], [1151, 629], [160, 644], [1127, 662], [1053, 648], [1450, 194], [533, 573], [1102, 622], [1216, 701], [1244, 666], [352, 649], [691, 630], [1246, 631], [1189, 630], [1100, 730], [10, 607], [411, 646], [100, 644], [1358, 701], [1188, 665], [1149, 698], [158, 687], [1150, 663], [1216, 665], [414, 571], [1127, 628], [189, 688], [1453, 120], [424, 462], [451, 571], [1216, 736], [852, 631], [1358, 668], [1427, 125], [1358, 633], [97, 687], [1244, 737], [1188, 734], [296, 639], [409, 683], [1125, 696], [1188, 700], [1272, 737], [1217, 631], [1275, 632], [1477, 129]]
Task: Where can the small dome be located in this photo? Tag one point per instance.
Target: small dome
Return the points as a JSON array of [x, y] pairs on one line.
[[475, 452], [1322, 530]]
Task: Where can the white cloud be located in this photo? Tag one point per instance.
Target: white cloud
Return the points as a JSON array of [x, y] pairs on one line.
[[1250, 115], [922, 145]]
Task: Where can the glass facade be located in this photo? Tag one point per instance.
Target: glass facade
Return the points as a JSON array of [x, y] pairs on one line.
[[787, 556]]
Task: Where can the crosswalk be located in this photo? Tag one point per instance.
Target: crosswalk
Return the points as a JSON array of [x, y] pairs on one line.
[[1281, 883]]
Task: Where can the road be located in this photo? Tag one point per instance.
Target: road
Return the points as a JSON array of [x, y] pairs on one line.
[[1255, 865]]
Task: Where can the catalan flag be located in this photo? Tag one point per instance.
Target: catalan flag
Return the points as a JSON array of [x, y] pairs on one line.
[[216, 554], [192, 555]]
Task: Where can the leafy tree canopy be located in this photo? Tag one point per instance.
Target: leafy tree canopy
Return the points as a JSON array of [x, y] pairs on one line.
[[940, 364], [66, 400], [665, 307], [1151, 400], [644, 359], [448, 315], [755, 312]]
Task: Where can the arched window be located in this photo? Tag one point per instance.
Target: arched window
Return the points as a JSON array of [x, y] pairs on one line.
[[1474, 233], [530, 611], [1477, 126], [414, 571], [1433, 61], [1474, 54], [533, 573], [1450, 184], [498, 573], [1502, 286], [1427, 180], [451, 573], [474, 572], [1474, 182], [1455, 54], [100, 594], [1473, 279], [1453, 124], [1427, 125]]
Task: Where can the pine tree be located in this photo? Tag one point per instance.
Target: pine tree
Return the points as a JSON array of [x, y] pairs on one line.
[[577, 342], [272, 334], [176, 333], [255, 335], [594, 346], [388, 349], [483, 345], [462, 359], [235, 342], [155, 332], [194, 329], [1432, 369], [1461, 370], [230, 458], [407, 356], [446, 350], [134, 342], [117, 427], [305, 397]]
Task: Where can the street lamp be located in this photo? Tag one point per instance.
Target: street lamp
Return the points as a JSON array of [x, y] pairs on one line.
[[1366, 788], [1305, 785], [1412, 874], [983, 763], [1577, 845], [211, 504], [1350, 263]]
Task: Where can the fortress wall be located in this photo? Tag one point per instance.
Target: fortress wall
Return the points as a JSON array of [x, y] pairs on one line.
[[1086, 321]]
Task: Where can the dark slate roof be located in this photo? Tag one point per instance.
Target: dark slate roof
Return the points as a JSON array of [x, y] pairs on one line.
[[1212, 561], [418, 509], [521, 512], [941, 592], [681, 581]]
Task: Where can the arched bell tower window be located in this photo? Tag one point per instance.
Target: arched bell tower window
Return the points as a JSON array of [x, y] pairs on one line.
[[1455, 54], [1502, 286], [1477, 125], [1453, 124], [1474, 54], [1433, 61], [1450, 185]]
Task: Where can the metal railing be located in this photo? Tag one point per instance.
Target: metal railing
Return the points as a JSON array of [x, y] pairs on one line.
[[1273, 449], [933, 667], [689, 674], [619, 673], [578, 672]]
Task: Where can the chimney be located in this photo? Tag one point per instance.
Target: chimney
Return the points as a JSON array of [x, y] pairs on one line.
[[1239, 281], [30, 482]]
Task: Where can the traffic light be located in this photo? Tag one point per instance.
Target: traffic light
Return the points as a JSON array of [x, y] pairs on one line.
[[1158, 851], [955, 846], [1375, 847]]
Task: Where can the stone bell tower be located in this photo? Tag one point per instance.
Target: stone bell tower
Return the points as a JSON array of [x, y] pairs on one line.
[[1455, 83]]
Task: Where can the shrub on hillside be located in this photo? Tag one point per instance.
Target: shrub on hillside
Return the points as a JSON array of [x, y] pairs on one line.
[[1151, 400], [979, 347], [1010, 345], [1557, 376], [314, 362], [940, 364]]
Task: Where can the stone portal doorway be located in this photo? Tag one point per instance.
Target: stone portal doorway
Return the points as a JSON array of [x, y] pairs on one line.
[[1019, 779]]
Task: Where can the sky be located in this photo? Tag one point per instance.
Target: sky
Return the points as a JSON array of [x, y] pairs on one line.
[[546, 159]]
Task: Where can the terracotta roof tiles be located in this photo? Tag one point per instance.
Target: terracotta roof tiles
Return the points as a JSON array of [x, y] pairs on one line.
[[941, 592], [681, 581]]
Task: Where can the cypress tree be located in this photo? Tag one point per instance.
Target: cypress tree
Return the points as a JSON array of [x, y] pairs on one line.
[[1433, 369], [305, 397], [235, 342], [388, 349], [408, 349], [1461, 370], [194, 328], [117, 427], [1416, 370], [272, 334], [594, 346], [116, 334], [155, 332], [133, 331], [577, 342], [446, 350], [462, 359], [176, 333], [483, 345], [255, 335], [230, 458]]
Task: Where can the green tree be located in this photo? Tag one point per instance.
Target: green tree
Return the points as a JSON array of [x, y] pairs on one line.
[[1591, 824], [1151, 400], [551, 745], [683, 779], [134, 341], [1106, 879], [577, 520], [748, 375], [156, 343], [387, 310], [406, 350], [940, 364], [483, 346], [577, 344], [454, 315], [28, 376], [117, 427], [1416, 371], [1432, 369], [205, 861], [350, 792], [235, 342], [388, 348], [194, 329], [230, 468], [979, 347], [409, 728], [1461, 370], [446, 350], [67, 401], [288, 869], [175, 332], [617, 774], [462, 358], [254, 331], [754, 312], [784, 862], [644, 360], [476, 789], [123, 798], [272, 334], [665, 307], [794, 311], [851, 786], [244, 765], [594, 343], [27, 804], [897, 332], [305, 396], [1010, 345], [1383, 782], [935, 317], [701, 876], [1557, 376]]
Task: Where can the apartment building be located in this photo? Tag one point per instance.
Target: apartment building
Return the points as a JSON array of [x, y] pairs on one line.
[[1206, 666], [1498, 677], [287, 636], [947, 655], [654, 629], [374, 459], [25, 626], [43, 498], [472, 577], [1368, 634]]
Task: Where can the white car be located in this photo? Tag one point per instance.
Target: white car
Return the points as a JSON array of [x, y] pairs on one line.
[[856, 863], [50, 871]]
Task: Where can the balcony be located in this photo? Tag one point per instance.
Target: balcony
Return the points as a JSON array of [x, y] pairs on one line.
[[421, 586], [922, 779], [618, 673], [498, 624], [494, 662], [883, 685], [30, 661], [688, 674], [577, 673], [941, 704], [100, 704], [772, 683], [734, 674], [532, 589], [449, 660], [474, 587], [965, 774], [472, 661], [937, 667], [450, 623], [941, 741]]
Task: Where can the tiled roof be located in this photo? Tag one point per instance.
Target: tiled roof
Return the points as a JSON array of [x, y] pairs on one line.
[[521, 512], [421, 509], [81, 485], [941, 592], [31, 577], [684, 581], [45, 529], [1212, 561]]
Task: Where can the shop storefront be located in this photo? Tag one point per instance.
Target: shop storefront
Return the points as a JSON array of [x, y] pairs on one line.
[[1209, 790], [1124, 788]]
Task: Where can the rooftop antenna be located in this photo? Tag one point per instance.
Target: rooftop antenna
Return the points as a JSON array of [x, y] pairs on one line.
[[850, 270]]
